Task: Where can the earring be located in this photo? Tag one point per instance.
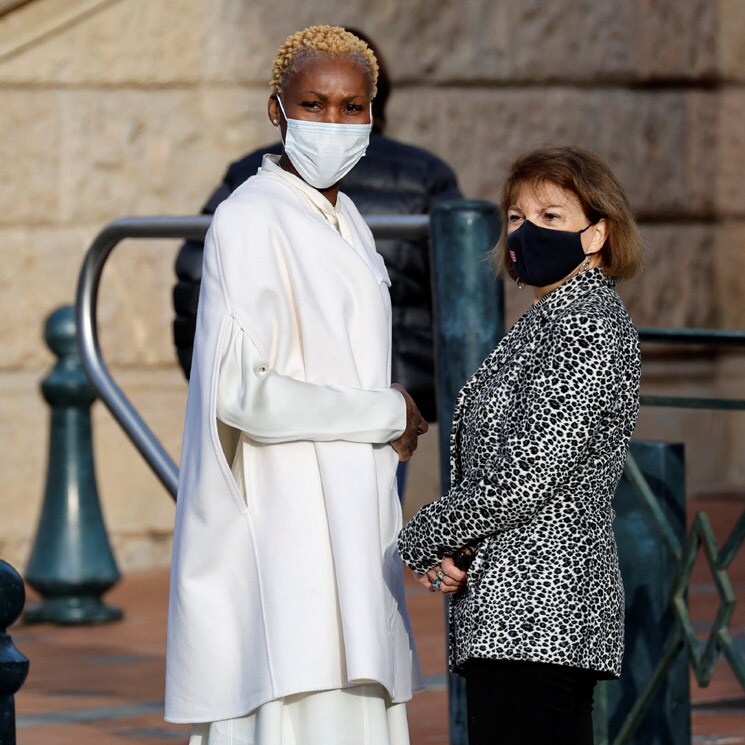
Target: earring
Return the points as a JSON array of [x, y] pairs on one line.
[[520, 284], [585, 263]]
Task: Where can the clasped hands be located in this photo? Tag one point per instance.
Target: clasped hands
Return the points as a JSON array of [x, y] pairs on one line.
[[445, 577], [406, 444]]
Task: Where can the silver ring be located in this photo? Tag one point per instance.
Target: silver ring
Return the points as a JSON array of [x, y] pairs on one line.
[[436, 583], [440, 575]]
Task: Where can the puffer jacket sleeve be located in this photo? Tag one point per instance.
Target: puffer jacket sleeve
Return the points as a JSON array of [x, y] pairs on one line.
[[540, 446]]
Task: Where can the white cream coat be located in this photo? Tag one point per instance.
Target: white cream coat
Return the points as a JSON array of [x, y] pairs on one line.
[[246, 624]]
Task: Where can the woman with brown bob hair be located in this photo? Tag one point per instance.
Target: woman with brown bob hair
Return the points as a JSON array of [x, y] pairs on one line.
[[523, 539], [596, 189]]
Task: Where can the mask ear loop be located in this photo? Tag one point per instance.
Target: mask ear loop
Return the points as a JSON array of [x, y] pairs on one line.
[[282, 109], [276, 124]]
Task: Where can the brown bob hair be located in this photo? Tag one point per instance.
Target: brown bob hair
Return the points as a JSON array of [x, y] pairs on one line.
[[586, 176]]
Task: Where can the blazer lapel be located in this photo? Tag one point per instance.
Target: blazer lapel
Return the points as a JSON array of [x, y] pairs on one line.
[[501, 354]]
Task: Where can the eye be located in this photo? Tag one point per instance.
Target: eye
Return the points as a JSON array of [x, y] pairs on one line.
[[513, 219], [550, 216], [354, 108], [311, 105]]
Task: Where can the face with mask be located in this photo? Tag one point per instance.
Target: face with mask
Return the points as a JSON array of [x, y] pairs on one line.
[[550, 238], [323, 114]]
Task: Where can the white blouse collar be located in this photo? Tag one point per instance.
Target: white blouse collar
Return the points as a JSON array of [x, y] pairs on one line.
[[333, 215], [330, 212]]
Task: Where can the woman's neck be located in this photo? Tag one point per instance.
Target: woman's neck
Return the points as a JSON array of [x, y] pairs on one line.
[[331, 193]]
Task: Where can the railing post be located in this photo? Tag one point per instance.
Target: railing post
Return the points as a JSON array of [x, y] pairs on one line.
[[71, 562], [649, 568], [469, 321], [13, 665]]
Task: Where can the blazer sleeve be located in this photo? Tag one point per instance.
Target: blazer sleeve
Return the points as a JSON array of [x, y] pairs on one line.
[[270, 407], [541, 448]]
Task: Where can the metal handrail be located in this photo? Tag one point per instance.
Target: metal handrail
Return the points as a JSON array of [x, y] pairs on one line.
[[693, 337], [700, 337], [191, 228], [406, 227]]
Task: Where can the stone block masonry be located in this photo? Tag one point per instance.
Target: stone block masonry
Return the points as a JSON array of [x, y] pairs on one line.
[[114, 107]]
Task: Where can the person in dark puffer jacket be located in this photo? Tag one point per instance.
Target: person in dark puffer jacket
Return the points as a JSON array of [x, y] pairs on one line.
[[392, 178]]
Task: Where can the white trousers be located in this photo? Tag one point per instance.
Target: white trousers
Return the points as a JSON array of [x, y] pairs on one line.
[[361, 715]]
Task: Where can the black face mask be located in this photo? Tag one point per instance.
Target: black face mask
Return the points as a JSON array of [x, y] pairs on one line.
[[542, 256]]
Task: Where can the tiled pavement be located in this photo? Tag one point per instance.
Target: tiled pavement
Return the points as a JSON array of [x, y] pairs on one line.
[[104, 684]]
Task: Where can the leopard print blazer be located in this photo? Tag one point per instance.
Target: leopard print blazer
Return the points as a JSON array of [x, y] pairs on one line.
[[539, 439]]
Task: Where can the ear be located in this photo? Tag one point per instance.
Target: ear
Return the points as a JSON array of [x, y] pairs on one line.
[[273, 110], [599, 236]]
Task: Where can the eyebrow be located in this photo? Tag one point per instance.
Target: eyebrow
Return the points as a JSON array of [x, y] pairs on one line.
[[324, 97], [543, 207], [308, 91]]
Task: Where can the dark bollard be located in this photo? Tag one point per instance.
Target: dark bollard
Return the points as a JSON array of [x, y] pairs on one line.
[[469, 321], [13, 665], [71, 563]]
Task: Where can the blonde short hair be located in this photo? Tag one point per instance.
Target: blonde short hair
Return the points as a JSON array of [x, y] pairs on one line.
[[322, 41]]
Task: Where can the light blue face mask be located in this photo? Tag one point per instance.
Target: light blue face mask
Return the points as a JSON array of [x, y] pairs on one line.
[[324, 153]]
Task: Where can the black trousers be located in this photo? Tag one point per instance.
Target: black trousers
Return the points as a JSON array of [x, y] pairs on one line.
[[528, 703]]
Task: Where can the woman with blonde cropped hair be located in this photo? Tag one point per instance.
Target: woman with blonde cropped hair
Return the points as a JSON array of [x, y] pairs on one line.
[[287, 620], [523, 540]]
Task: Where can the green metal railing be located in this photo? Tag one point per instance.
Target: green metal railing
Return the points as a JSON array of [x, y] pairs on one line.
[[700, 537]]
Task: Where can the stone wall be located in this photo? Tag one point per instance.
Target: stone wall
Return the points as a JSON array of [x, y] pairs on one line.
[[133, 107]]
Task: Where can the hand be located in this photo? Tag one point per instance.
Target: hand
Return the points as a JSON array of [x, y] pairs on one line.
[[406, 444], [451, 578]]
